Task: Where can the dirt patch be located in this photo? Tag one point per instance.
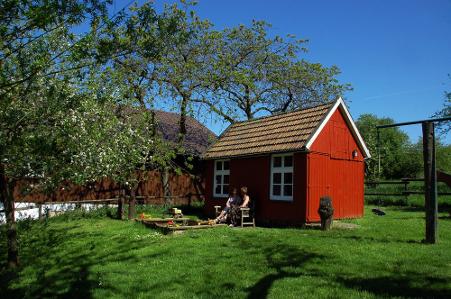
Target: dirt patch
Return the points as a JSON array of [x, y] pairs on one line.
[[336, 224], [344, 225]]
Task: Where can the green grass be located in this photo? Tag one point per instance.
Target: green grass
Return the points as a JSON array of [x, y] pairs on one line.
[[414, 200], [88, 256]]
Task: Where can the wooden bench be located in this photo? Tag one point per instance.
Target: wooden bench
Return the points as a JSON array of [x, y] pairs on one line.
[[247, 214]]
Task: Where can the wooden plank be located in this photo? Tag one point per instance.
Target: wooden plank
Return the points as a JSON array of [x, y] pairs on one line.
[[413, 180], [25, 208], [152, 220], [385, 194], [79, 201], [385, 183]]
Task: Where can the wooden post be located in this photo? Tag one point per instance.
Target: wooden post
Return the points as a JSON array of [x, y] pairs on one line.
[[430, 182], [39, 211], [406, 197]]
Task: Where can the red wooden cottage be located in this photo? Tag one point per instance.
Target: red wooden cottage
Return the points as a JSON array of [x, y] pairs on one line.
[[288, 161]]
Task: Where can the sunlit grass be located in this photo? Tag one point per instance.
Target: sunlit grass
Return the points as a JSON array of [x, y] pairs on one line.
[[82, 257], [413, 200]]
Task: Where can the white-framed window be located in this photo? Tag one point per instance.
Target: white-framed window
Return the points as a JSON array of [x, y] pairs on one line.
[[281, 177], [221, 178]]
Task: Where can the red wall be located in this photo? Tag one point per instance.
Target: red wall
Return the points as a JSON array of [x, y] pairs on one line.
[[328, 169], [183, 187], [333, 171], [254, 172]]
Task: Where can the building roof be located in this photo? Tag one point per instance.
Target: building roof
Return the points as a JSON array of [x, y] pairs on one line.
[[285, 132], [197, 138]]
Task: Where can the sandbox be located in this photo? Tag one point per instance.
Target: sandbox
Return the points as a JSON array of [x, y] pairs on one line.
[[173, 225]]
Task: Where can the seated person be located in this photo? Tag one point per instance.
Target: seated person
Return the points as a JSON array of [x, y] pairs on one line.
[[245, 197], [234, 200], [236, 210]]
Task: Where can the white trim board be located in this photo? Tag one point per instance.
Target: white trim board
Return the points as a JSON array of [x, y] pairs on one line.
[[355, 132]]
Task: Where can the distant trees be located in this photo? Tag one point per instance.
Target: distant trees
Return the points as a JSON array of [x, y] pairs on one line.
[[443, 156], [399, 158], [445, 127]]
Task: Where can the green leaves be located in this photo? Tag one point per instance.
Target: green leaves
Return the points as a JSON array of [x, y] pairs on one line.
[[398, 157], [253, 72], [59, 98]]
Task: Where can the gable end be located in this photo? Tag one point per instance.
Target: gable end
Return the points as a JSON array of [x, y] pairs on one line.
[[339, 104]]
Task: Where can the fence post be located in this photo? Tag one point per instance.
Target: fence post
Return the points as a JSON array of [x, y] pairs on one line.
[[406, 197], [430, 182], [39, 211]]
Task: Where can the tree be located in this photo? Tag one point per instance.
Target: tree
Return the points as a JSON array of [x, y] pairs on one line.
[[183, 68], [136, 80], [393, 154], [253, 73], [58, 116], [35, 93], [445, 127], [442, 155]]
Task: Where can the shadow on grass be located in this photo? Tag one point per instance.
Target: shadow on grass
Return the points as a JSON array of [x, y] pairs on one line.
[[379, 240], [283, 260], [401, 287], [60, 270]]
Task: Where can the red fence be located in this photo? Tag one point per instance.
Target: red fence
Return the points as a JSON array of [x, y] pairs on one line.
[[183, 189]]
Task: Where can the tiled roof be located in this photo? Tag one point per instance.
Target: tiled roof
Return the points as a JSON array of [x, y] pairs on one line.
[[197, 138], [278, 133]]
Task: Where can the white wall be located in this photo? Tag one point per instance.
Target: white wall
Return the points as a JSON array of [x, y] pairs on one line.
[[33, 213]]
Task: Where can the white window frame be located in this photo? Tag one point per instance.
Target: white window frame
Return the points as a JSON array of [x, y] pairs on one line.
[[282, 170], [221, 172]]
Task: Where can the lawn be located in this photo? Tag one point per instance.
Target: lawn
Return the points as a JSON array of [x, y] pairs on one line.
[[92, 257], [413, 200]]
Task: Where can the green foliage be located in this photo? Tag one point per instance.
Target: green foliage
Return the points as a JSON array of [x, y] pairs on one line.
[[103, 258], [398, 157], [443, 156], [254, 72], [412, 200], [59, 117], [445, 127]]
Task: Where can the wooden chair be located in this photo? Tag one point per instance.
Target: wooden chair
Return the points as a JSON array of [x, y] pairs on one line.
[[247, 219], [247, 214], [218, 210]]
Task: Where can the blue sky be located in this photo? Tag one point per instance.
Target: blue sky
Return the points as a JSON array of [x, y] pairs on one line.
[[396, 54]]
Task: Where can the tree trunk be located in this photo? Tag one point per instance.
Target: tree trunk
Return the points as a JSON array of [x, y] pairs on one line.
[[182, 122], [120, 205], [7, 189], [248, 105], [132, 204], [166, 189]]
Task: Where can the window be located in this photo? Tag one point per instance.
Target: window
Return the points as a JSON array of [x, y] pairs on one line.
[[282, 177], [221, 179]]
